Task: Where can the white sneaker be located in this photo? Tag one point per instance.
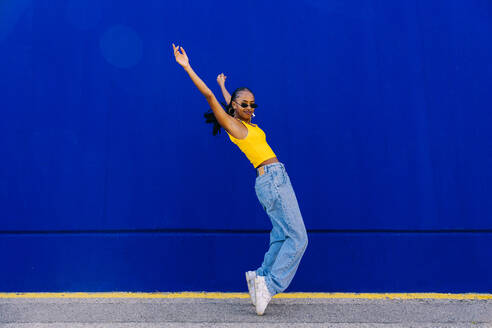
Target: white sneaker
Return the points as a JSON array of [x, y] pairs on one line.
[[250, 279], [262, 295]]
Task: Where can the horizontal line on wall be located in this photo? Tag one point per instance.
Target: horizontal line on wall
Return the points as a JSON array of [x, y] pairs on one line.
[[223, 231]]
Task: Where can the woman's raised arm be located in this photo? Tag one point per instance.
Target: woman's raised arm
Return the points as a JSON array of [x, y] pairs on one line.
[[221, 81], [223, 118]]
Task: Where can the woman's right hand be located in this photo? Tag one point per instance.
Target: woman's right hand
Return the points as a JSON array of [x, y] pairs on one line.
[[181, 58], [221, 79]]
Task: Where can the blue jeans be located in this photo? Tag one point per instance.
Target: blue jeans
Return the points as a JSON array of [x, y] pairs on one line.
[[288, 238]]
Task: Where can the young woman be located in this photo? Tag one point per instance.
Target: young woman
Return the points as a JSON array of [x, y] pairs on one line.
[[288, 238]]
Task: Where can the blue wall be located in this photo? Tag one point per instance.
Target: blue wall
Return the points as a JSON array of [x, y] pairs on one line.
[[380, 111]]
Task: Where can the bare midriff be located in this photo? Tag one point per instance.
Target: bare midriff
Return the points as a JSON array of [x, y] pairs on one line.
[[268, 161]]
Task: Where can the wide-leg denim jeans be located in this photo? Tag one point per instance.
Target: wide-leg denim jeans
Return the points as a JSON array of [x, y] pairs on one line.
[[288, 238]]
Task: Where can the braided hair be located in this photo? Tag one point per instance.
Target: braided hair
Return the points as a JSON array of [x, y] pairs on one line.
[[210, 116]]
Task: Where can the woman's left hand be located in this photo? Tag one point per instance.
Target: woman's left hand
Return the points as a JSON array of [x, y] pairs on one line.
[[221, 79]]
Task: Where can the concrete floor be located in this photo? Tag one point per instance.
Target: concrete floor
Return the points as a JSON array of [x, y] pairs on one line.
[[239, 312]]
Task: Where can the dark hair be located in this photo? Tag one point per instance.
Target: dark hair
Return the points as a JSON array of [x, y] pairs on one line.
[[210, 116]]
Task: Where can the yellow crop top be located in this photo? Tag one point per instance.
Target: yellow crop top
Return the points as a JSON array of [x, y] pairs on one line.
[[254, 146]]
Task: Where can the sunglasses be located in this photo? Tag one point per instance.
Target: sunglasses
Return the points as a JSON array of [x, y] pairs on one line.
[[244, 105]]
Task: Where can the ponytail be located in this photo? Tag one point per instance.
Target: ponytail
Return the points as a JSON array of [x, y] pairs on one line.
[[210, 117]]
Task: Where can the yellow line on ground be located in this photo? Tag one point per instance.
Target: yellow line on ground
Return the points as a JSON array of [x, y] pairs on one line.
[[246, 295]]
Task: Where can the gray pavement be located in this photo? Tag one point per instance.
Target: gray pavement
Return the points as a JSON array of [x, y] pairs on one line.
[[194, 313]]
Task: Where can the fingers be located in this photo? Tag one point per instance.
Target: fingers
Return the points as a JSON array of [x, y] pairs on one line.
[[221, 78], [176, 50]]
